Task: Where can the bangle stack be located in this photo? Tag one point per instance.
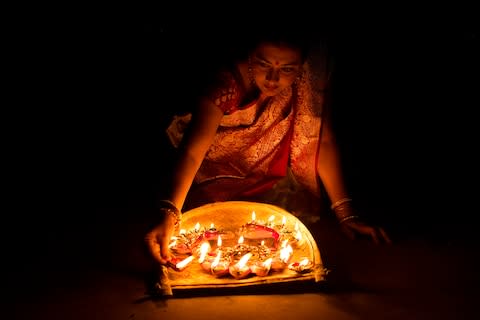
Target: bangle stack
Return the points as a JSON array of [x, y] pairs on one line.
[[339, 203], [343, 211], [170, 208]]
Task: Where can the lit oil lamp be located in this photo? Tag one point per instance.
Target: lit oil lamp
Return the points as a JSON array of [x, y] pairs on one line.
[[271, 221], [240, 249], [220, 266], [178, 265], [303, 266], [241, 269], [293, 237], [202, 251], [262, 268], [210, 233], [263, 250], [179, 245], [299, 240], [283, 224], [254, 218], [255, 233], [219, 244], [282, 257], [205, 259]]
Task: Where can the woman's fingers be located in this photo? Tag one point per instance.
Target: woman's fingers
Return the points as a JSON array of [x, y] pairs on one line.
[[377, 234], [164, 250], [385, 236], [157, 247], [154, 248], [349, 232]]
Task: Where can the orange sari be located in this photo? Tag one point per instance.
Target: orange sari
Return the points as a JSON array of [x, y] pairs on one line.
[[255, 145]]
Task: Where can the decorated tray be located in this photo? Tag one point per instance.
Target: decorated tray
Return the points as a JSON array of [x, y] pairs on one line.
[[239, 243]]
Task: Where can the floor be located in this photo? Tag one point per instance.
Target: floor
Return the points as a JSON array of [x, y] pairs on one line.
[[97, 274]]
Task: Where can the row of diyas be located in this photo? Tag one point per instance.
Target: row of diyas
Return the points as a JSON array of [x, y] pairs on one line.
[[260, 247]]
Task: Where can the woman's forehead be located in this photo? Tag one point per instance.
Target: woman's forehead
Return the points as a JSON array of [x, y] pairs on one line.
[[278, 54]]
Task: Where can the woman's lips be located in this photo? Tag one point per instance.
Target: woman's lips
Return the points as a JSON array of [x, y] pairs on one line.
[[270, 87]]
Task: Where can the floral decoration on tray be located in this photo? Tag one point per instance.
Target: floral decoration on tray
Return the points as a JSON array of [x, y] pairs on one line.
[[255, 248]]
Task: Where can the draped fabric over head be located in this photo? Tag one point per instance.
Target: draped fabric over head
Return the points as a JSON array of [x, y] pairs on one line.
[[255, 144]]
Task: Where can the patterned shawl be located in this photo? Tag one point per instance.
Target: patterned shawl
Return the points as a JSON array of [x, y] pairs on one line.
[[255, 144]]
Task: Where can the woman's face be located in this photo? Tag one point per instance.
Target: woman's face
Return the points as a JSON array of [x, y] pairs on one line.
[[275, 67]]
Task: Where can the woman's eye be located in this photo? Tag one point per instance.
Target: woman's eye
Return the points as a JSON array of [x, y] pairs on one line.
[[288, 70]]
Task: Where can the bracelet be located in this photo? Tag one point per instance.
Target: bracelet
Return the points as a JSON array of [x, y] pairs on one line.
[[348, 218], [172, 210], [340, 202]]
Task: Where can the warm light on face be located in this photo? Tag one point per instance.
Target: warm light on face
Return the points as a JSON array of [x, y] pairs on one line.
[[275, 67]]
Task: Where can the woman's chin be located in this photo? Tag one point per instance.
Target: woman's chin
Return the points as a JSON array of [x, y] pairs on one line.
[[269, 92]]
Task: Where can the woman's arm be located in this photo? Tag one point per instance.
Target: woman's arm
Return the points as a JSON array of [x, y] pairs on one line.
[[192, 150], [329, 166]]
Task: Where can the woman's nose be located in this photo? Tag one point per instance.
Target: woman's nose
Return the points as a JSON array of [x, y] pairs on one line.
[[273, 75]]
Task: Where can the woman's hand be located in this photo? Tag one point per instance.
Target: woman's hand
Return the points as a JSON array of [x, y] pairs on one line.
[[158, 238], [354, 227]]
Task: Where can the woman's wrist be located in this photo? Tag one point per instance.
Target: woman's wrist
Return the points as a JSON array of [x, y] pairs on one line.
[[169, 208], [344, 210]]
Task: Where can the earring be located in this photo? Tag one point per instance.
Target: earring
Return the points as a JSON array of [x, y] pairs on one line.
[[299, 77], [250, 72]]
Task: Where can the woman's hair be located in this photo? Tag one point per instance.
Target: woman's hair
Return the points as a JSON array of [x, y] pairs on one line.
[[289, 36]]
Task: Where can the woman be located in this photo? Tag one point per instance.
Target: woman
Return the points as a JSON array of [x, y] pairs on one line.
[[262, 123]]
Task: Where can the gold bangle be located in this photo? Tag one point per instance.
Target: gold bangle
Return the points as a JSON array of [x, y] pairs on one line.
[[172, 210], [348, 218], [340, 202]]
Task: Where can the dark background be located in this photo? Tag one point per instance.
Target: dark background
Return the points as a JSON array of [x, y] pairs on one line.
[[88, 130], [404, 89]]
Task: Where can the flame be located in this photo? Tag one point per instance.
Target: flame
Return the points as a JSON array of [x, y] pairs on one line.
[[219, 241], [182, 231], [284, 220], [212, 226], [262, 243], [304, 262], [182, 264], [271, 218], [243, 260], [240, 240], [298, 235], [253, 216], [197, 227], [285, 253], [267, 263], [216, 260], [204, 248]]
